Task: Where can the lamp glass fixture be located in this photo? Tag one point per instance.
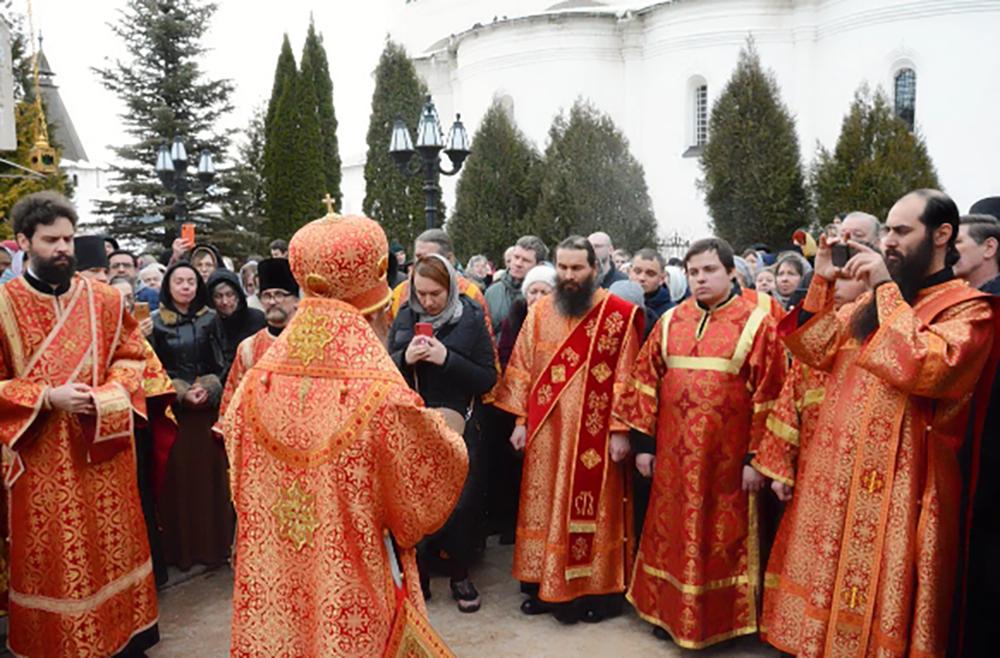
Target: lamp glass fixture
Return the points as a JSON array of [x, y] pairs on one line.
[[458, 140], [164, 165], [178, 153], [429, 130], [401, 142]]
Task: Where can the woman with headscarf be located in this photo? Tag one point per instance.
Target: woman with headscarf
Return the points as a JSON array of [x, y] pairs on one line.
[[677, 283], [194, 507], [440, 343], [538, 282], [237, 321], [249, 280], [789, 274]]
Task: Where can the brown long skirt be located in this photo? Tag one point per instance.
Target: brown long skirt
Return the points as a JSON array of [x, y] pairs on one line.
[[195, 509]]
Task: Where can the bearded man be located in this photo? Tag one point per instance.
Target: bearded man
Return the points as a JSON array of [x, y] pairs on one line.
[[71, 376], [871, 561], [335, 466], [702, 385], [570, 361]]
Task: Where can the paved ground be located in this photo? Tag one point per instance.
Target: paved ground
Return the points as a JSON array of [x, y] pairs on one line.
[[194, 622]]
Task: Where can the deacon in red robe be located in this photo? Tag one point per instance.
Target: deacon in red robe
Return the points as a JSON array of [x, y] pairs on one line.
[[703, 385], [568, 365], [71, 375]]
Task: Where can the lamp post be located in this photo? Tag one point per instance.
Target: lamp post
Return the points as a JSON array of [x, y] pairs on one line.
[[172, 169], [429, 146]]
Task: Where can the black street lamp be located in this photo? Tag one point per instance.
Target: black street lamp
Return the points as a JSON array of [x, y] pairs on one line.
[[172, 168], [429, 145]]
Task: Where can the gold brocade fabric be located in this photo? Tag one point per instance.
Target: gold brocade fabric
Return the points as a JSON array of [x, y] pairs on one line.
[[702, 385], [328, 448], [871, 548], [81, 581], [540, 551]]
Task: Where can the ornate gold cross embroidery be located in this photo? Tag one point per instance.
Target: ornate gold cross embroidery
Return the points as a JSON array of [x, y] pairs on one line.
[[309, 336], [854, 598], [558, 374], [601, 372], [295, 513], [590, 458], [873, 481]]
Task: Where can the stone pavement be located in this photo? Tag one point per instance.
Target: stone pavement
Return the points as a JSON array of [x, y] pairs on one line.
[[194, 622]]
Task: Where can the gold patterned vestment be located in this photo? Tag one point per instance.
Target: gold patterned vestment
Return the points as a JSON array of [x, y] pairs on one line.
[[542, 553], [870, 564], [328, 450], [248, 352], [81, 581], [702, 385]]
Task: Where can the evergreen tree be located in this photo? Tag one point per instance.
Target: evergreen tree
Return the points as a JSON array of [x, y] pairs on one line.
[[242, 229], [396, 201], [315, 51], [165, 93], [21, 183], [754, 186], [591, 182], [876, 161], [498, 190], [293, 161], [285, 72]]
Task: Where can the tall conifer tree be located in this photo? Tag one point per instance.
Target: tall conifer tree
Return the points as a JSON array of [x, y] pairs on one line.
[[165, 93], [875, 162], [591, 182], [754, 184], [498, 191], [396, 201], [315, 51]]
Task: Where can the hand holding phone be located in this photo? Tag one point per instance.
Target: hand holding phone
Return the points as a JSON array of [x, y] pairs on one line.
[[141, 311], [187, 233], [425, 329], [840, 253]]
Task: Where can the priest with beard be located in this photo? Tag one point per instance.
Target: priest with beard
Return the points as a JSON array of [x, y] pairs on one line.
[[871, 562], [279, 295], [71, 377], [569, 363]]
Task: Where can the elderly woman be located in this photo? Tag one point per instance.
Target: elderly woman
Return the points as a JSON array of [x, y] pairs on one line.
[[440, 343], [538, 282], [194, 508]]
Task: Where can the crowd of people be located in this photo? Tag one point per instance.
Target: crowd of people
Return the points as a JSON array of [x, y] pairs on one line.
[[793, 442]]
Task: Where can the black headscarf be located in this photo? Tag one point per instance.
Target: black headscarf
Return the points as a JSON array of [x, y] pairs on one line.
[[243, 323], [200, 300]]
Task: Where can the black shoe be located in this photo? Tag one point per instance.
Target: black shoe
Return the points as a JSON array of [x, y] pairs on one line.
[[534, 606], [531, 589], [592, 616], [465, 593], [568, 613], [661, 634]]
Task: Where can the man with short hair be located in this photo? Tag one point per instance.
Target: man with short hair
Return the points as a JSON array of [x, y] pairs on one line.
[[71, 375], [91, 257], [278, 248], [861, 227], [279, 294], [702, 385], [123, 263], [978, 247], [528, 252], [570, 360], [871, 560], [607, 273], [649, 270]]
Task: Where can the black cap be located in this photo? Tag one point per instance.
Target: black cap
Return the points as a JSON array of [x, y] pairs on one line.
[[988, 206], [90, 252], [276, 273]]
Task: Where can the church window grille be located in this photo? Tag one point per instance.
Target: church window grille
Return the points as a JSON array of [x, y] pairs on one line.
[[906, 95]]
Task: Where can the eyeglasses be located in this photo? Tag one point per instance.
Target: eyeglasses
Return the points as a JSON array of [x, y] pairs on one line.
[[274, 296]]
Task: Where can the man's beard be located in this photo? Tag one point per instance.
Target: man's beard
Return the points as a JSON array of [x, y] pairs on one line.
[[572, 299], [908, 272], [55, 271]]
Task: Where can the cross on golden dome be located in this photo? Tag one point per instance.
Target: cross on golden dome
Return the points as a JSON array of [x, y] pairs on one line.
[[328, 200]]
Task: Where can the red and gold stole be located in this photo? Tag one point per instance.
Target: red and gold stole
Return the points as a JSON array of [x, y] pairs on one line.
[[592, 348], [70, 353]]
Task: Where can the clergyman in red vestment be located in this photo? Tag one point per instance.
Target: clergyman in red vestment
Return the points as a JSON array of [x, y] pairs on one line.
[[871, 556], [703, 385], [335, 463], [72, 362], [568, 365]]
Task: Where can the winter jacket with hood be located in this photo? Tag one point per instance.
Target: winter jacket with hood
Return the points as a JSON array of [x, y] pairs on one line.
[[243, 323]]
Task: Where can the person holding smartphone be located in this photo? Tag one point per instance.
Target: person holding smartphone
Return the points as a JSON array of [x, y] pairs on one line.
[[440, 343]]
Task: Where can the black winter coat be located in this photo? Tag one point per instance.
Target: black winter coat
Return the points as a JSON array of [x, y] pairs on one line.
[[189, 345], [243, 323], [468, 370]]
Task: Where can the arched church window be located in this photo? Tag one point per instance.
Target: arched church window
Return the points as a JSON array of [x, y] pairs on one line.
[[906, 95], [701, 115]]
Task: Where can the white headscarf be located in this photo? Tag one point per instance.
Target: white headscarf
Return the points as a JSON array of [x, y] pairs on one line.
[[678, 283]]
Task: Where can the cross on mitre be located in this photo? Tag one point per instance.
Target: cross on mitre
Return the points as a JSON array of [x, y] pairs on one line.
[[328, 200]]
